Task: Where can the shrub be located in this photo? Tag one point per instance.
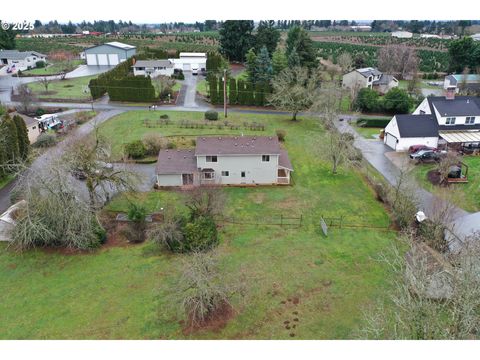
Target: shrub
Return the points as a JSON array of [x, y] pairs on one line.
[[171, 145], [164, 116], [135, 232], [40, 64], [39, 112], [377, 122], [152, 143], [46, 140], [135, 149], [211, 115], [281, 134]]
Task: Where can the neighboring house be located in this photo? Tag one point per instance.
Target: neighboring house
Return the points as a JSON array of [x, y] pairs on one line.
[[111, 53], [239, 160], [190, 61], [153, 68], [32, 127], [469, 82], [20, 60], [369, 78], [402, 34], [440, 121]]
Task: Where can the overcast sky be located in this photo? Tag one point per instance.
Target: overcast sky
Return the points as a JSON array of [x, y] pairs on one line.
[[157, 11]]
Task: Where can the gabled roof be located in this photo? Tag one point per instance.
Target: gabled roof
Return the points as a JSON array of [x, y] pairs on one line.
[[153, 63], [417, 125], [238, 145], [366, 72], [114, 44], [384, 80], [18, 55], [284, 161], [176, 162], [29, 121], [457, 107], [458, 100], [192, 54]]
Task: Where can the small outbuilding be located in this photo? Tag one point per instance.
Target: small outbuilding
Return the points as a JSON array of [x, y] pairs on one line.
[[109, 54], [191, 61]]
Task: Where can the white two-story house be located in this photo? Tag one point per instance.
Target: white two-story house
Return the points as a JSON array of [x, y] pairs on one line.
[[153, 68], [440, 121], [239, 160], [369, 78]]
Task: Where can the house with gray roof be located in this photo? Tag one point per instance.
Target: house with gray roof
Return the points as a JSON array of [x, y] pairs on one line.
[[369, 78], [439, 121], [469, 83], [153, 68], [235, 160], [20, 60]]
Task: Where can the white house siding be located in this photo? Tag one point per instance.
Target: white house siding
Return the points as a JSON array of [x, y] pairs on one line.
[[164, 72], [423, 108], [187, 63], [354, 79], [393, 139], [169, 180], [33, 133], [256, 171]]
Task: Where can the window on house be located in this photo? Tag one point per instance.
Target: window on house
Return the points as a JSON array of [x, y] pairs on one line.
[[243, 174], [422, 112], [265, 158], [470, 120], [225, 173], [209, 175], [212, 158], [450, 121]]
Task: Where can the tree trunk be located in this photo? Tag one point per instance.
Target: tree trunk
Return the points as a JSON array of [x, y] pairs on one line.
[[294, 116]]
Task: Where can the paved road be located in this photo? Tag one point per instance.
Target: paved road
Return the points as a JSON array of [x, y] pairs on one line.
[[374, 152]]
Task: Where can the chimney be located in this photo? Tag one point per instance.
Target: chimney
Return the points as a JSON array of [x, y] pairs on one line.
[[450, 94]]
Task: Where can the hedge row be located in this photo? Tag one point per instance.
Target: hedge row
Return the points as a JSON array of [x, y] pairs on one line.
[[377, 122], [239, 92]]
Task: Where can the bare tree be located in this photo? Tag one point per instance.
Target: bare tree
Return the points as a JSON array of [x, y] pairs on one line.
[[167, 235], [90, 157], [163, 85], [345, 62], [402, 198], [398, 60], [25, 97], [208, 200], [45, 81], [445, 164], [294, 90]]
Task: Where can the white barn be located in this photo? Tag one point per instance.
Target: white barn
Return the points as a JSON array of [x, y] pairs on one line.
[[239, 160], [190, 61], [109, 54]]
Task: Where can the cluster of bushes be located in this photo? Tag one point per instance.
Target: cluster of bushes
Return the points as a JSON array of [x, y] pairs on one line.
[[150, 145], [178, 74], [239, 92], [40, 64], [46, 140], [396, 101], [121, 85], [430, 76], [211, 115]]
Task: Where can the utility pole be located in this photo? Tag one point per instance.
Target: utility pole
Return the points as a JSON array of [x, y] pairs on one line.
[[225, 92]]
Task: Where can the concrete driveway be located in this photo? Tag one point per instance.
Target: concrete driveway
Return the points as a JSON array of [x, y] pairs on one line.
[[88, 70]]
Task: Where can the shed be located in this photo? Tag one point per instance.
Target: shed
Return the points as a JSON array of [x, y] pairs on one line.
[[109, 54]]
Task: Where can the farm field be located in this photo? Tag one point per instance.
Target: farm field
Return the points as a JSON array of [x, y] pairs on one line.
[[469, 193], [124, 292], [54, 68], [68, 89]]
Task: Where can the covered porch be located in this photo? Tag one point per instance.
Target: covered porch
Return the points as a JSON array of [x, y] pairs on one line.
[[461, 141]]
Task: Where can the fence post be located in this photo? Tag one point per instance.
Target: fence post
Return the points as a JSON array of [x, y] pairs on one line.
[[301, 220], [281, 220]]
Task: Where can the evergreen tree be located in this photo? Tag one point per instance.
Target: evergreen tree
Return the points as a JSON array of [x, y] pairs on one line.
[[249, 94], [7, 39], [263, 68], [213, 90], [241, 92], [300, 42], [251, 65], [232, 91], [236, 38], [220, 91], [8, 131], [259, 94], [22, 136], [267, 35], [294, 59], [279, 61]]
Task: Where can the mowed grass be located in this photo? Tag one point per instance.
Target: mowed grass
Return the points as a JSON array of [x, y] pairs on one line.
[[125, 292], [469, 198], [368, 132], [54, 68], [69, 89]]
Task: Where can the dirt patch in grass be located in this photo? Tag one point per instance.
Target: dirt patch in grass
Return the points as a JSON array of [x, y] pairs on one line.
[[434, 177], [289, 203], [215, 321]]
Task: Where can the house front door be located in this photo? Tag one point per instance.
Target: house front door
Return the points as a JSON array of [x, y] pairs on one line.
[[187, 179]]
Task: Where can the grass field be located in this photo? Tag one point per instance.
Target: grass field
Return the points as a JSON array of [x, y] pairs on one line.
[[4, 181], [124, 292], [470, 199], [54, 68], [368, 132], [69, 89]]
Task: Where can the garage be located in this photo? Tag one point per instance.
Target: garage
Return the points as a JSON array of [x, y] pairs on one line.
[[391, 141], [109, 54], [187, 67], [113, 59], [92, 59]]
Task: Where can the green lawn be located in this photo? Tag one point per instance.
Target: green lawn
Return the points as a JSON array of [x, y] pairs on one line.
[[4, 181], [202, 87], [470, 192], [54, 68], [69, 89], [367, 132], [123, 292]]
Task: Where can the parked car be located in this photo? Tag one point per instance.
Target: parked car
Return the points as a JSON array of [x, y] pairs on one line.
[[427, 155], [415, 148]]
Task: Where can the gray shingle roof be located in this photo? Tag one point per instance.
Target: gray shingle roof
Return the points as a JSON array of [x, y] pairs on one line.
[[456, 107], [384, 80], [153, 63], [366, 72], [238, 145], [18, 55], [417, 125], [176, 162], [284, 161]]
